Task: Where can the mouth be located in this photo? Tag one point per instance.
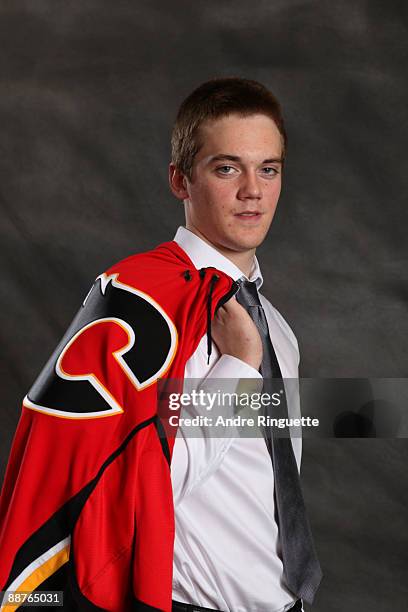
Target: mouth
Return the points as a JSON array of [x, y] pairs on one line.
[[249, 215]]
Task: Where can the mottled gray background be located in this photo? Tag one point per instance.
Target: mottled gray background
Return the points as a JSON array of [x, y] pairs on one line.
[[88, 93]]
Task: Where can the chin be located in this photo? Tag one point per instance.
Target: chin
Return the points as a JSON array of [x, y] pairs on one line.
[[250, 241], [245, 245]]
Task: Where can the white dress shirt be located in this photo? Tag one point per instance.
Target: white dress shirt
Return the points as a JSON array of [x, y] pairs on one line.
[[226, 553]]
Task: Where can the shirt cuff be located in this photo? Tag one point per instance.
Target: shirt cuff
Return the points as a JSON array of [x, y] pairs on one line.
[[228, 366]]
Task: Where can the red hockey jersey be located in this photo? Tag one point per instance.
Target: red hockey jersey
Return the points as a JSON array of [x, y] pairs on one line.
[[86, 505]]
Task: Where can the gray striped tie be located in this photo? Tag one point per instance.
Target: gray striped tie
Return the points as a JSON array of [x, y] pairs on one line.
[[300, 563]]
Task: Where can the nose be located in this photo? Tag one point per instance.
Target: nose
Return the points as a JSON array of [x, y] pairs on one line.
[[250, 187]]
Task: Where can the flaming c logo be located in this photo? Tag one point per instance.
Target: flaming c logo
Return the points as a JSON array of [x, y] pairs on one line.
[[120, 341]]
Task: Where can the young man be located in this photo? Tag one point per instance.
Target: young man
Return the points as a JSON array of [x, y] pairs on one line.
[[87, 506], [228, 150]]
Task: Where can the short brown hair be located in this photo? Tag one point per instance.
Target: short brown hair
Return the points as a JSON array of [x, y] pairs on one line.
[[214, 99]]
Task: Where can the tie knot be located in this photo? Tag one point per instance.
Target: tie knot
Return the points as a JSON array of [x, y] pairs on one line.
[[247, 294]]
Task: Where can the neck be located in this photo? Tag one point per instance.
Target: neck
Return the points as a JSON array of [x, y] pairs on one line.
[[242, 259]]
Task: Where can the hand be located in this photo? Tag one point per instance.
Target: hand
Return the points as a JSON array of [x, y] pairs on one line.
[[236, 334]]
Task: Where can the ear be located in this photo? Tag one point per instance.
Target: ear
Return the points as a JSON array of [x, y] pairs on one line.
[[178, 182]]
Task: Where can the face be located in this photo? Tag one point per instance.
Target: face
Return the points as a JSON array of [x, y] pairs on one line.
[[235, 182]]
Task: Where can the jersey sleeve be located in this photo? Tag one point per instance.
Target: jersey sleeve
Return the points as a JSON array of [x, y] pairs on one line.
[[74, 493]]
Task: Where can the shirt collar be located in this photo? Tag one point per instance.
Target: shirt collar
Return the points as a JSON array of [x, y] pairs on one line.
[[203, 255]]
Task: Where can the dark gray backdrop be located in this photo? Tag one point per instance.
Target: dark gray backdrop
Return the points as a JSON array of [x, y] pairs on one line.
[[89, 91]]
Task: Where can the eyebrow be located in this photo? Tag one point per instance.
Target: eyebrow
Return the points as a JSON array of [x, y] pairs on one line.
[[236, 158]]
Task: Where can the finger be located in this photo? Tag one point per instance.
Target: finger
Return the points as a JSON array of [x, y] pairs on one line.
[[232, 303], [232, 306]]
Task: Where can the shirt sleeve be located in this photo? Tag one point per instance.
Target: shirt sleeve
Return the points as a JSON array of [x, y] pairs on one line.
[[199, 451], [231, 367]]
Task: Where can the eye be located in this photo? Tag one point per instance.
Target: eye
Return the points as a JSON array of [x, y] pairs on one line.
[[270, 171], [225, 169]]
